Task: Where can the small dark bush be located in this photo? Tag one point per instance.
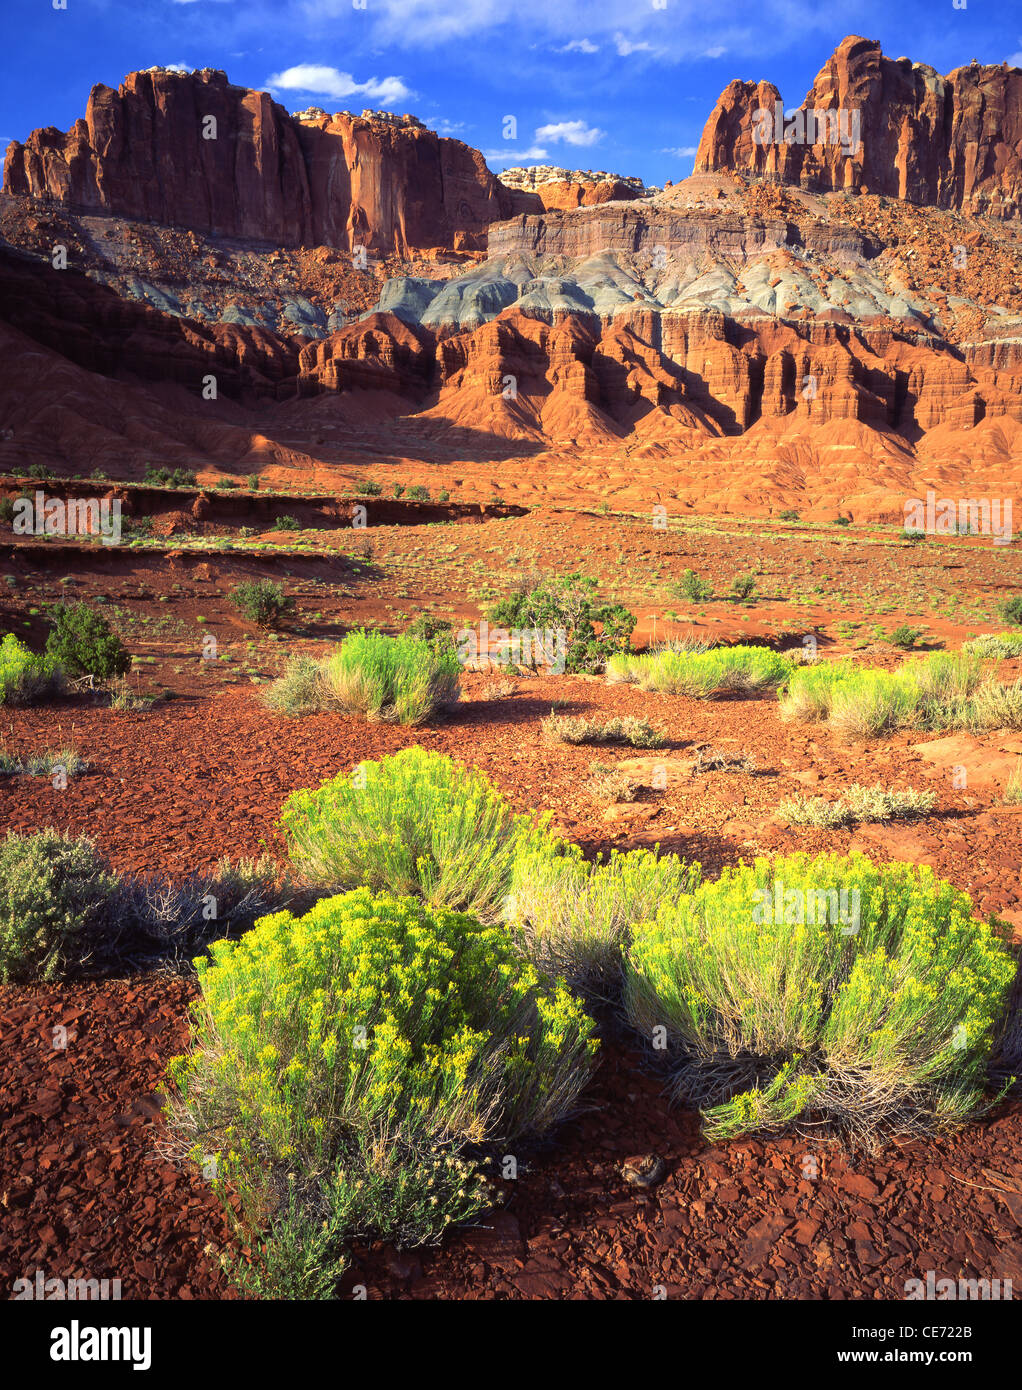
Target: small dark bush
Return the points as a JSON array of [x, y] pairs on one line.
[[742, 586], [287, 523], [693, 588], [571, 605], [1011, 610], [790, 515], [81, 641], [262, 601], [369, 489]]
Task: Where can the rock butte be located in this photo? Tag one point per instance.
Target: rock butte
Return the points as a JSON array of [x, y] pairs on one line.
[[793, 324]]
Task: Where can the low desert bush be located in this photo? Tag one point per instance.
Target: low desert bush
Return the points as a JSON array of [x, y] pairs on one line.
[[566, 728], [64, 913], [610, 786], [346, 1065], [573, 918], [997, 706], [996, 645], [905, 637], [82, 643], [1011, 610], [857, 804], [415, 822], [53, 888], [301, 689], [287, 522], [702, 674], [45, 764], [262, 601], [594, 629], [25, 676], [827, 990], [743, 586], [722, 760], [691, 587], [400, 679]]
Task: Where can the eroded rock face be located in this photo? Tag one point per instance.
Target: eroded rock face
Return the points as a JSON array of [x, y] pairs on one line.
[[144, 152], [953, 142]]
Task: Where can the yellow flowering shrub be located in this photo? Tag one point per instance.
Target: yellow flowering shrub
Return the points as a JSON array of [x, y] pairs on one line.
[[338, 1055], [868, 994], [414, 822]]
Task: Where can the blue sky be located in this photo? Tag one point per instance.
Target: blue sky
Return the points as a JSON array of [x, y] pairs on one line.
[[623, 85]]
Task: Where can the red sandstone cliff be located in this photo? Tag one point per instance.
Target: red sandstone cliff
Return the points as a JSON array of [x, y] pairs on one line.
[[141, 153], [953, 142]]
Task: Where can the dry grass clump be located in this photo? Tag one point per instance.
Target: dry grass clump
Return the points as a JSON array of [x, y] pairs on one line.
[[611, 786], [857, 805], [720, 760], [566, 728]]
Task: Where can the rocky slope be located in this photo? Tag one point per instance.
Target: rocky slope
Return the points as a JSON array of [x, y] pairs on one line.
[[950, 142], [545, 187], [144, 152]]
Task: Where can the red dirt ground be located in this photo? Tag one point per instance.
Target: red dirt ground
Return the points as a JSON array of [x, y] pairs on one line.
[[204, 774]]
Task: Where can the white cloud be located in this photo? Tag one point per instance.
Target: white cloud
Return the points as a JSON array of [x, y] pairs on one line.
[[319, 80], [515, 156], [625, 46], [443, 127], [579, 46], [571, 133], [680, 151], [717, 51], [179, 67], [1015, 61]]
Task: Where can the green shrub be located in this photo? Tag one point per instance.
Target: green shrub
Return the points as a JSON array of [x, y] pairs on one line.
[[789, 515], [783, 1001], [414, 822], [81, 642], [427, 628], [26, 676], [301, 689], [573, 918], [938, 691], [691, 587], [287, 523], [742, 586], [702, 674], [418, 493], [253, 482], [564, 728], [369, 488], [905, 637], [842, 521], [343, 1063], [52, 888], [169, 477], [1011, 610], [397, 679], [570, 604], [262, 601], [910, 534]]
